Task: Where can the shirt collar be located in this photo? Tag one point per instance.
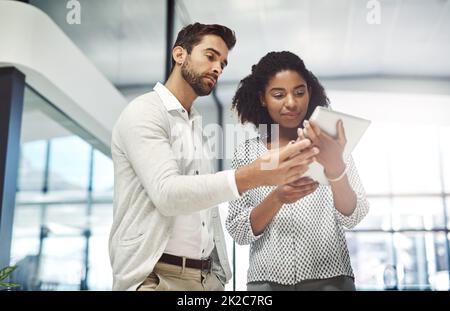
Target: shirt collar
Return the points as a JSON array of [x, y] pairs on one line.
[[171, 102]]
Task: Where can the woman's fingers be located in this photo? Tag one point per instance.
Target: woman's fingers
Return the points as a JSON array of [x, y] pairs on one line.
[[297, 190], [302, 181], [295, 174], [308, 192], [300, 134], [298, 194], [341, 133], [315, 128], [312, 135], [310, 188]]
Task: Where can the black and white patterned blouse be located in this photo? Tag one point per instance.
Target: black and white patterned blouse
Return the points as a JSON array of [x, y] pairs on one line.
[[305, 239]]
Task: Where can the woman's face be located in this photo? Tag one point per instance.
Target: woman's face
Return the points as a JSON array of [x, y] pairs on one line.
[[286, 98]]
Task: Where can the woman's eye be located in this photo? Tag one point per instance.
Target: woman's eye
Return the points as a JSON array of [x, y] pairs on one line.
[[299, 93], [278, 96]]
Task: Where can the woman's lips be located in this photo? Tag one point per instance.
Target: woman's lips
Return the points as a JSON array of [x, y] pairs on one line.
[[291, 115]]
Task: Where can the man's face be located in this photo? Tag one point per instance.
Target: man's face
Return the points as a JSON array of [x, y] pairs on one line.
[[205, 64]]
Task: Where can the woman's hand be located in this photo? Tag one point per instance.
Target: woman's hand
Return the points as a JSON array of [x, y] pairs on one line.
[[296, 190], [331, 149]]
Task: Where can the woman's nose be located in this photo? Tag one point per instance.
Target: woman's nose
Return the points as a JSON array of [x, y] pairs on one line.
[[290, 101]]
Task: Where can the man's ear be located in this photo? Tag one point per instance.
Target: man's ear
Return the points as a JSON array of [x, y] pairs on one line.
[[179, 55]]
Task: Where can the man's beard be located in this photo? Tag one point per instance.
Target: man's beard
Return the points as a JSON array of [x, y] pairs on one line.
[[195, 80]]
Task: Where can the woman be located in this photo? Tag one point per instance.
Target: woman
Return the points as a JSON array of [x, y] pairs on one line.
[[295, 231]]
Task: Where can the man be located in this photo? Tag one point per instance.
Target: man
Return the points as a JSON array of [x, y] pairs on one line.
[[166, 232]]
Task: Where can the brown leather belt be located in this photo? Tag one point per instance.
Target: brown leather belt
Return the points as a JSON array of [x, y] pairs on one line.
[[202, 264]]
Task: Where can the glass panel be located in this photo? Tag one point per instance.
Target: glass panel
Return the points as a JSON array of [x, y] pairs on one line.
[[421, 259], [417, 213], [371, 258], [439, 267], [100, 274], [32, 166], [414, 153], [62, 262], [447, 203], [69, 164], [103, 175], [49, 243], [375, 178], [26, 228], [379, 216], [66, 217], [445, 148], [62, 259]]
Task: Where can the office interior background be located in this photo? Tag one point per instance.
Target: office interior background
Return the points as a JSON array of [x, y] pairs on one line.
[[83, 61]]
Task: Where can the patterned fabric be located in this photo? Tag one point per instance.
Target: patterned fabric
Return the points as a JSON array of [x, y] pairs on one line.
[[305, 239]]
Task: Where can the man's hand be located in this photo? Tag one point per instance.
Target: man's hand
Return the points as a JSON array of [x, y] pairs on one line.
[[277, 166]]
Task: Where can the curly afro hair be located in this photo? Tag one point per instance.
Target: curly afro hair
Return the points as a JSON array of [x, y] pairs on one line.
[[247, 100]]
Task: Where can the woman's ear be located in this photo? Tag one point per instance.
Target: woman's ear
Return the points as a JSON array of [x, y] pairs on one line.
[[179, 54], [261, 99]]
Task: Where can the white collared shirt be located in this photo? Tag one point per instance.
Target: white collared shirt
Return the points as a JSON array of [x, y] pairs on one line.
[[192, 235]]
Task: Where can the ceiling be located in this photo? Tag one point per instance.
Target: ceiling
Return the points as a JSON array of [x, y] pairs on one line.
[[125, 39]]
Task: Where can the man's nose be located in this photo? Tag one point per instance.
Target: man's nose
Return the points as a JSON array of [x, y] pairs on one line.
[[217, 69]]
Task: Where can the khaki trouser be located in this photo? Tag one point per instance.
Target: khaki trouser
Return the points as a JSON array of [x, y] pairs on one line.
[[167, 277]]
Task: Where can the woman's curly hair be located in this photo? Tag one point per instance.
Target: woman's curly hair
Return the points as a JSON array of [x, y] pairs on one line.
[[247, 100]]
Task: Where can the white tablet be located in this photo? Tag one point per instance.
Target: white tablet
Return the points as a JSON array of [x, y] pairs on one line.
[[327, 119]]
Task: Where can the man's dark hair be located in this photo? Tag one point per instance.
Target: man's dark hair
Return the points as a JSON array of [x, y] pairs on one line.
[[192, 34], [247, 100]]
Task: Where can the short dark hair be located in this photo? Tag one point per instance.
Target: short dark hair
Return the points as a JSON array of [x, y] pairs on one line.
[[247, 100], [192, 34]]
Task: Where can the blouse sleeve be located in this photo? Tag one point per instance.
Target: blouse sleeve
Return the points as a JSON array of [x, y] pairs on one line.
[[238, 219], [362, 204]]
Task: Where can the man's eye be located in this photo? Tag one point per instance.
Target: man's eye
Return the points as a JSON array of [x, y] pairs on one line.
[[210, 57]]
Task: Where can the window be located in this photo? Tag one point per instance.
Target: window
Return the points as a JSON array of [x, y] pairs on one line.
[[61, 229]]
